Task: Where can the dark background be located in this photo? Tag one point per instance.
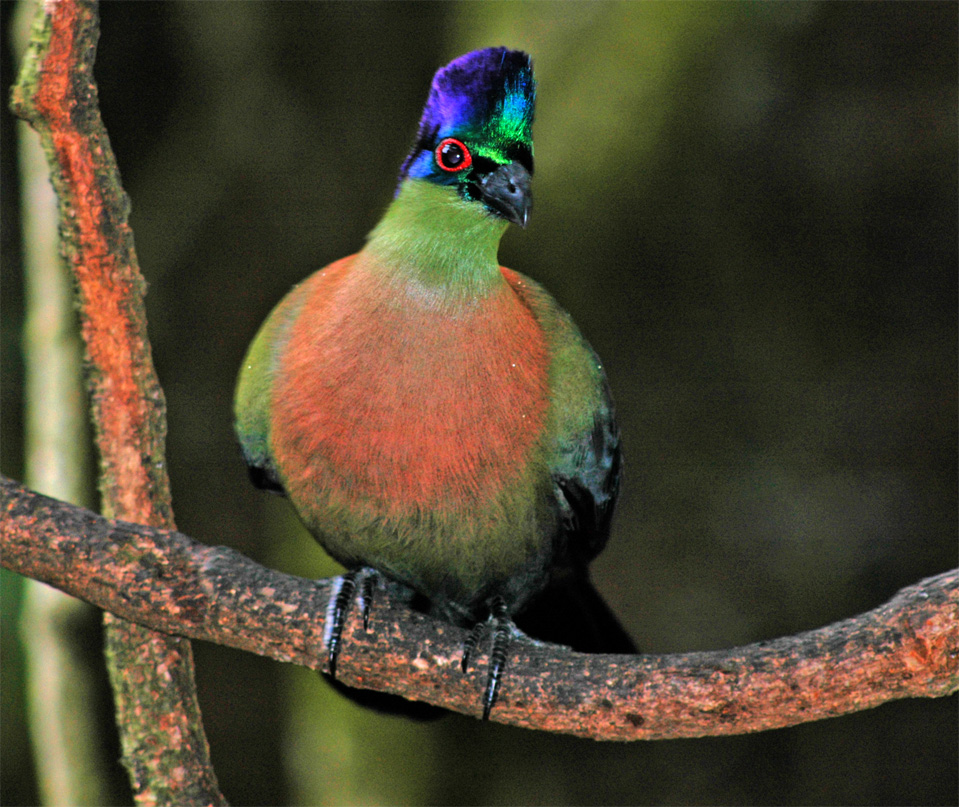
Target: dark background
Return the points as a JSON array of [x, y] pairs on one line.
[[751, 212]]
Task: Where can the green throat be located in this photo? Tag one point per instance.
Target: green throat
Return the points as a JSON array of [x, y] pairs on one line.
[[432, 237]]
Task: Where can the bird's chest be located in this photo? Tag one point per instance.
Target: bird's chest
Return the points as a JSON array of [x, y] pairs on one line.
[[412, 406]]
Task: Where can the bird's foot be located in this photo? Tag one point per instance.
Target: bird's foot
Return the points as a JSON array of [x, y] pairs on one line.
[[338, 608], [503, 630]]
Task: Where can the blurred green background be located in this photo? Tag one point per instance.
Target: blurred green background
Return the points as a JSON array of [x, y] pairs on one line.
[[751, 212]]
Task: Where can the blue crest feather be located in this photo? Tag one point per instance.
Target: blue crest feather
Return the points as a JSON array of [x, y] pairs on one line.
[[489, 94]]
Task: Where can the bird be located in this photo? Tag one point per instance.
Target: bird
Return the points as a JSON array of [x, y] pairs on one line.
[[438, 420]]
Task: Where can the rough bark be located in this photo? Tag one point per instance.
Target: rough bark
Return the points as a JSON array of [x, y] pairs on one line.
[[908, 647], [164, 748], [60, 678]]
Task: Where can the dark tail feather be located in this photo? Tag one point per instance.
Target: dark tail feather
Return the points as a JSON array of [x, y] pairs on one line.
[[571, 612], [387, 703]]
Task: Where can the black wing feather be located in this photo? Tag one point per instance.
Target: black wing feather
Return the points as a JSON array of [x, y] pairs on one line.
[[588, 494]]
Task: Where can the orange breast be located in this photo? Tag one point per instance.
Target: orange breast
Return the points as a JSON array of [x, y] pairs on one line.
[[406, 402]]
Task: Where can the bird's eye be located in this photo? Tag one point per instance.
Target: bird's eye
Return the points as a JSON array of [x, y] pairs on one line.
[[453, 156]]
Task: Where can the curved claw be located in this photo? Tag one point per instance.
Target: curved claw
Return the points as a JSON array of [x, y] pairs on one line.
[[469, 646], [339, 606], [502, 629], [366, 596], [497, 660], [337, 611]]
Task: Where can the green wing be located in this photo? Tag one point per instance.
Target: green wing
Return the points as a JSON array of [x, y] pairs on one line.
[[252, 402], [584, 451]]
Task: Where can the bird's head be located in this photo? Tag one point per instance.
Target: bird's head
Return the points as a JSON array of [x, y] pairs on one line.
[[476, 133]]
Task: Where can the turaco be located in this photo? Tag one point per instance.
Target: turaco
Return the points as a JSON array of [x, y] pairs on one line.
[[434, 417]]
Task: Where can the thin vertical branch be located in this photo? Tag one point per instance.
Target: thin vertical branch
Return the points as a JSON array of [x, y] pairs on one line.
[[164, 747], [60, 680]]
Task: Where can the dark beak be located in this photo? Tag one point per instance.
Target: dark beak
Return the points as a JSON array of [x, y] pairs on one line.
[[507, 192]]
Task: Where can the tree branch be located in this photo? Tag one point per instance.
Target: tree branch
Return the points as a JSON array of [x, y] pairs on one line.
[[161, 732], [60, 677], [908, 647]]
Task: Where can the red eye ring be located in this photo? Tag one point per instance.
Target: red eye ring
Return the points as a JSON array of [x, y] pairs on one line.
[[453, 156]]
